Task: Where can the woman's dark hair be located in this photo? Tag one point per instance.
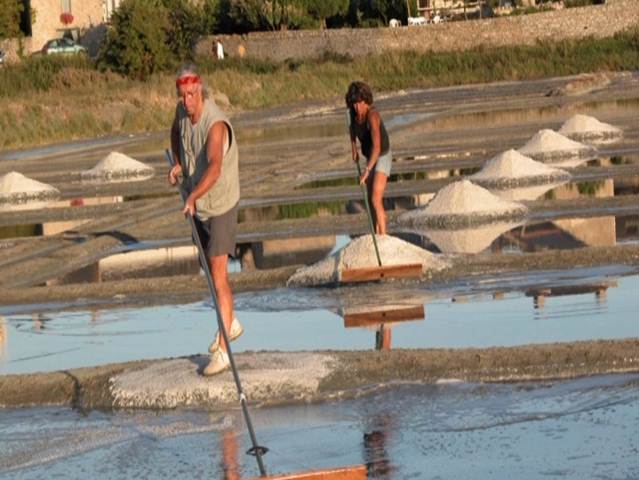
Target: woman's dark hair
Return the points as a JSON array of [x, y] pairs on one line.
[[358, 91]]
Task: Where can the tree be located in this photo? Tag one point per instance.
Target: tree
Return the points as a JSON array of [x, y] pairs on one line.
[[10, 11], [185, 25], [322, 9], [136, 41], [267, 14]]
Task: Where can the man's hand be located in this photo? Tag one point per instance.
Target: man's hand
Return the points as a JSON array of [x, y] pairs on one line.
[[174, 173], [189, 206]]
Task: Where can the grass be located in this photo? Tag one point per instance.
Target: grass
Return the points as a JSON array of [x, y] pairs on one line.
[[48, 99]]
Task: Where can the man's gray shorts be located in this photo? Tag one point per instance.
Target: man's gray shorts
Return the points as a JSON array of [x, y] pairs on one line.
[[217, 234]]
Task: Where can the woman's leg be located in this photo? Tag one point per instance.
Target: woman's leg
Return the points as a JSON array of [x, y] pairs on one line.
[[377, 202]]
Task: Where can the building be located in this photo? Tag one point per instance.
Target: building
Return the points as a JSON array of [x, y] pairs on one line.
[[84, 20]]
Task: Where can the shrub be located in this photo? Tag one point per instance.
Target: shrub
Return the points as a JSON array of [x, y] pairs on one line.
[[10, 11], [186, 24], [136, 42]]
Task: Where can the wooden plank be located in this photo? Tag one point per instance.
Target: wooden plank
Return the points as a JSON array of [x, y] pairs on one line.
[[357, 472], [368, 274], [376, 317]]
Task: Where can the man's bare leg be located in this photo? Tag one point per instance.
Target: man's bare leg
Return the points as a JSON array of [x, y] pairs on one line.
[[219, 271]]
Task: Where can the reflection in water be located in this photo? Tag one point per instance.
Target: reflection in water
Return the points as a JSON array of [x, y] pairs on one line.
[[3, 337], [468, 240], [291, 251], [560, 235], [381, 318], [229, 464], [529, 193], [376, 450], [600, 291]]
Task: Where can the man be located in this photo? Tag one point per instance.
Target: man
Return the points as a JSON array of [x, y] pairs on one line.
[[205, 152]]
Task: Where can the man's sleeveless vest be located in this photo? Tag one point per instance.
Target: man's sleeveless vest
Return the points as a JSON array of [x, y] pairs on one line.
[[225, 192]]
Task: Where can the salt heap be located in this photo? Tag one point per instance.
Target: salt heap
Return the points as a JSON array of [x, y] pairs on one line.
[[18, 192], [511, 168], [549, 146], [360, 253], [584, 128], [117, 167], [461, 204]]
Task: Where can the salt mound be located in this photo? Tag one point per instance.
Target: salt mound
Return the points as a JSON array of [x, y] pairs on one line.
[[119, 168], [589, 129], [547, 145], [513, 168], [360, 253], [461, 204], [16, 190]]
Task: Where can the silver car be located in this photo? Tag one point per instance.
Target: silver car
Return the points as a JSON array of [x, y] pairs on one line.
[[62, 45]]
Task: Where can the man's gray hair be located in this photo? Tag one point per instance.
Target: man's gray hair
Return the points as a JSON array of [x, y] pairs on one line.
[[191, 69]]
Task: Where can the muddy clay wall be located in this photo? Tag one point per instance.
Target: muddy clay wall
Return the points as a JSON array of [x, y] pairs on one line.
[[599, 21]]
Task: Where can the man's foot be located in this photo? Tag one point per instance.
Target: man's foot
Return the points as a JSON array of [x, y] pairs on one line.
[[235, 331], [218, 363]]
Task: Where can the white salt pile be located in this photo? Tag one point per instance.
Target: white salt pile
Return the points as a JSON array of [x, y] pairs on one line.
[[461, 204], [18, 191], [512, 168], [584, 128], [548, 146], [468, 240], [117, 167], [360, 253]]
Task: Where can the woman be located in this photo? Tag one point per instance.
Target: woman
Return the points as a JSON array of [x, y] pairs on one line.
[[366, 125]]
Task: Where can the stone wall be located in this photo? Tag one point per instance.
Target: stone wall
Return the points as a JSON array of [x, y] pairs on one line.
[[574, 23]]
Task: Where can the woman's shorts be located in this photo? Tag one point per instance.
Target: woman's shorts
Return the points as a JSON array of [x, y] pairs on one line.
[[217, 234], [384, 163]]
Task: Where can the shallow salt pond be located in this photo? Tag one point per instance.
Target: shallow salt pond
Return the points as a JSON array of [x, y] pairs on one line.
[[584, 428], [514, 309]]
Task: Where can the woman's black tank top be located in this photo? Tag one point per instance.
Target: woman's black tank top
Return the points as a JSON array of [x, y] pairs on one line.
[[363, 133]]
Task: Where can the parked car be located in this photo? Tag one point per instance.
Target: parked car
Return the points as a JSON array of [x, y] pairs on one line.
[[62, 45]]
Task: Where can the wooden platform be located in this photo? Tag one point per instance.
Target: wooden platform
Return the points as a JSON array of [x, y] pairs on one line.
[[357, 472]]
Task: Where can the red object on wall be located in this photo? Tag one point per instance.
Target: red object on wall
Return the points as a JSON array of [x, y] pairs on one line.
[[66, 18]]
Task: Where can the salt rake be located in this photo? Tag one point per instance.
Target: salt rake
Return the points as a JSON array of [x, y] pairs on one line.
[[256, 450], [380, 272]]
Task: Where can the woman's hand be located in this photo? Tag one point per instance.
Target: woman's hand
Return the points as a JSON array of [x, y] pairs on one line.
[[355, 156], [174, 173], [365, 174]]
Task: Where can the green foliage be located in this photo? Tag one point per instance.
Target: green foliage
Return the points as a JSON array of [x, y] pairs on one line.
[[10, 11], [136, 41], [214, 18], [266, 14], [186, 24], [579, 3], [322, 9], [375, 13]]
